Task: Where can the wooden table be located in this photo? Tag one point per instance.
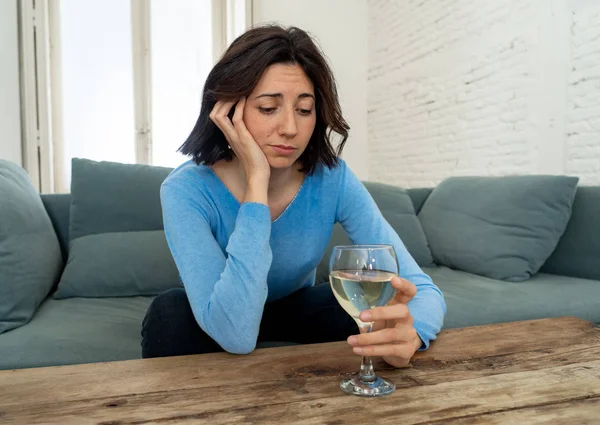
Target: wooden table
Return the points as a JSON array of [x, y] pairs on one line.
[[543, 371]]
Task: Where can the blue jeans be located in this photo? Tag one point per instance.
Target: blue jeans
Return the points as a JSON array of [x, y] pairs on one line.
[[310, 315]]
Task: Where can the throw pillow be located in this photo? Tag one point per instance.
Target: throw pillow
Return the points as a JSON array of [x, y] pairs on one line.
[[397, 208], [30, 258], [117, 246], [114, 197], [118, 265], [499, 227], [578, 251]]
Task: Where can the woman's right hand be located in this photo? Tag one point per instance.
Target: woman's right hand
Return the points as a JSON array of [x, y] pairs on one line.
[[246, 149]]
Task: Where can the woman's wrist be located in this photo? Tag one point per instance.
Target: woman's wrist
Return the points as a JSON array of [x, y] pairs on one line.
[[257, 189], [418, 343]]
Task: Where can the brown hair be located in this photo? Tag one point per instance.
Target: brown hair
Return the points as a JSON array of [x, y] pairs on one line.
[[238, 72]]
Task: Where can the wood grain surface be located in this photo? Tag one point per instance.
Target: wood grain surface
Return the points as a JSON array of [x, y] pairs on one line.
[[532, 372]]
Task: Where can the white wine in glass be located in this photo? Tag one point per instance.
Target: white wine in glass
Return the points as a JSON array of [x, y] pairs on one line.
[[361, 279]]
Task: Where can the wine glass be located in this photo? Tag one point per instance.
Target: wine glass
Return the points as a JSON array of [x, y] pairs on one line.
[[361, 278]]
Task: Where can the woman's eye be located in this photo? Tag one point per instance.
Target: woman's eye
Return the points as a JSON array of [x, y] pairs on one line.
[[305, 111], [266, 110]]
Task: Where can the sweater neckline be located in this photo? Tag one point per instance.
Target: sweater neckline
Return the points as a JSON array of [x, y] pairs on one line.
[[237, 202]]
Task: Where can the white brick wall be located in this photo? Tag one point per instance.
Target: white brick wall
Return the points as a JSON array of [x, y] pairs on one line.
[[583, 106], [458, 87]]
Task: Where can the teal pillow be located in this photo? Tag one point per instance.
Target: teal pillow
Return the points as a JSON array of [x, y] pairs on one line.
[[397, 208], [118, 265], [500, 227], [113, 197], [578, 251], [117, 246], [418, 196], [30, 258]]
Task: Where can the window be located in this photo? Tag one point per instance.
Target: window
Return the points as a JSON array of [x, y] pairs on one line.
[[181, 60], [126, 78], [96, 94]]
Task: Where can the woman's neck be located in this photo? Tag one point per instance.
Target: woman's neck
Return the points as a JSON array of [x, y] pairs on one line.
[[279, 180]]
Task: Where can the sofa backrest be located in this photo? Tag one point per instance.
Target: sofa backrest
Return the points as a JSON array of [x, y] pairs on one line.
[[58, 207], [578, 251], [418, 197]]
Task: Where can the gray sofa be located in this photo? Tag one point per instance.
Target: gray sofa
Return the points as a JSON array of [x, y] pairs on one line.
[[98, 329]]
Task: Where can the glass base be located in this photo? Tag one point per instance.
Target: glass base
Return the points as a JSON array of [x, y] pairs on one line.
[[376, 388]]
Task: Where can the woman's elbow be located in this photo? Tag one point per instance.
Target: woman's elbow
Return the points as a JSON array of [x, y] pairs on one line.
[[240, 346]]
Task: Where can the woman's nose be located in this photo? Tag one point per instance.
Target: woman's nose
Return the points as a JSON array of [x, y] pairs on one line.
[[288, 124]]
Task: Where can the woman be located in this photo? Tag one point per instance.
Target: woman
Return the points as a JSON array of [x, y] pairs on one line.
[[249, 218]]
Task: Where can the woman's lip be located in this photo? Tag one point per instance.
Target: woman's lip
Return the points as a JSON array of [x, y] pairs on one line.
[[282, 149]]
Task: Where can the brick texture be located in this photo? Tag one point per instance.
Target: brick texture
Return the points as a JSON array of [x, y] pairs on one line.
[[583, 107], [454, 89]]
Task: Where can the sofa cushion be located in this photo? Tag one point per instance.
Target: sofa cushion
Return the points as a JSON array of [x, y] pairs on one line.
[[499, 227], [77, 330], [475, 300], [113, 197], [58, 206], [418, 197], [397, 208], [82, 330], [578, 251], [118, 265], [117, 246], [30, 258]]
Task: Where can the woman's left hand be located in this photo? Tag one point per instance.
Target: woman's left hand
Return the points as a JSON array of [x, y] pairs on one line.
[[393, 336]]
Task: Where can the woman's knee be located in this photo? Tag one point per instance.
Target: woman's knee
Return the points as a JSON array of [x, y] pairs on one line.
[[171, 303], [170, 329]]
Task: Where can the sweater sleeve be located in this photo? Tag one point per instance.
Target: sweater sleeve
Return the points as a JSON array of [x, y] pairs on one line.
[[227, 293], [360, 217]]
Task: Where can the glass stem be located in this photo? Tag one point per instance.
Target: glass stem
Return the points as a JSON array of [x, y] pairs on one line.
[[367, 373]]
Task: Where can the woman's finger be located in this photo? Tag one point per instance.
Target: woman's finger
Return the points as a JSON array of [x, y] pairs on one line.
[[215, 117], [404, 350], [384, 336], [238, 120], [217, 111], [224, 106], [406, 290], [213, 111], [238, 115], [221, 120], [386, 312]]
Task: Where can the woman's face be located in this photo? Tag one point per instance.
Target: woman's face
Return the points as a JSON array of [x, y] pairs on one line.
[[280, 113]]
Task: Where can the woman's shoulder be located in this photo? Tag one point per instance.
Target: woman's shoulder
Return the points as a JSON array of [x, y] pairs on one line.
[[188, 173], [330, 175], [188, 179]]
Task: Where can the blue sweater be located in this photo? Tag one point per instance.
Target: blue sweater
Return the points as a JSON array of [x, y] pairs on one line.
[[232, 258]]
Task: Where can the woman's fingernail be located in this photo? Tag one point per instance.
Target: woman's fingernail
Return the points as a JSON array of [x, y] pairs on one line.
[[352, 340], [365, 316], [358, 350]]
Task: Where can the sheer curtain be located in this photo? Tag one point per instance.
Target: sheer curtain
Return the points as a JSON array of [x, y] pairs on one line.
[[96, 90], [181, 59], [97, 87]]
